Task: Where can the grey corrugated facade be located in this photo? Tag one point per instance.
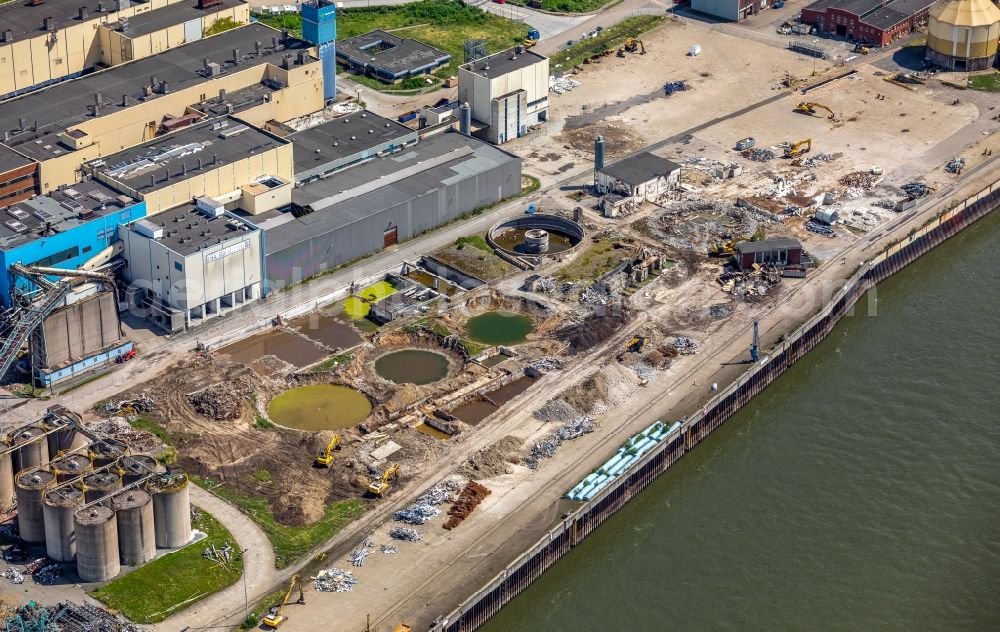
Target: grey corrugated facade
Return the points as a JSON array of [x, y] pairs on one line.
[[300, 248]]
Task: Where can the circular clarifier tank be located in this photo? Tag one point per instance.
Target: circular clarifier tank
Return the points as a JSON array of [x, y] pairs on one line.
[[535, 235]]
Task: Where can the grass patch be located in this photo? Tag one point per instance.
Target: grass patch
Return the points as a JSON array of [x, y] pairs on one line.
[[472, 347], [986, 83], [916, 41], [152, 593], [290, 543], [529, 184], [476, 241], [443, 25], [221, 26], [262, 476], [596, 260], [145, 423], [610, 38], [333, 361], [569, 6]]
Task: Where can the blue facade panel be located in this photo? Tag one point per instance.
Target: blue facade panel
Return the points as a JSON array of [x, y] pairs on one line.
[[319, 22], [67, 249], [50, 378]]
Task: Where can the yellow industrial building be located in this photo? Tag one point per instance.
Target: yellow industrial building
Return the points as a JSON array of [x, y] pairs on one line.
[[250, 71], [963, 35], [46, 41]]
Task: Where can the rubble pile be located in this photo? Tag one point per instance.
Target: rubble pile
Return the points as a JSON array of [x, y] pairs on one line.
[[34, 566], [405, 533], [885, 203], [388, 549], [492, 460], [117, 427], [224, 400], [556, 410], [140, 402], [14, 553], [334, 580], [48, 574], [913, 190], [758, 154], [816, 159], [595, 328], [820, 229], [684, 345], [546, 448], [674, 86], [749, 284], [547, 284], [439, 494], [541, 366], [467, 501], [13, 576], [955, 165], [561, 85], [719, 311], [357, 557], [861, 179]]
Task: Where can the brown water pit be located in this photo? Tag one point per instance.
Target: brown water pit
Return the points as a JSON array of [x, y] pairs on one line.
[[427, 280], [494, 360], [283, 345], [510, 390], [327, 330], [474, 411], [432, 431]]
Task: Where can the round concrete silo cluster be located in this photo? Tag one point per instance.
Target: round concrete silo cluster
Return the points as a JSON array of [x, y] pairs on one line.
[[963, 35], [92, 502]]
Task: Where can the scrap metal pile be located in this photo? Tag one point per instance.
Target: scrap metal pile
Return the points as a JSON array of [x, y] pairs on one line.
[[357, 557], [546, 448], [334, 580], [559, 85], [820, 228], [13, 576], [473, 494], [862, 179], [423, 508], [406, 534], [222, 554], [684, 345], [66, 617], [416, 514], [117, 427], [758, 154], [674, 86], [955, 165], [140, 402], [914, 190]]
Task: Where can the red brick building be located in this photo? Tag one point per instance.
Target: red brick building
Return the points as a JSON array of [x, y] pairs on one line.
[[873, 22], [18, 177], [778, 252]]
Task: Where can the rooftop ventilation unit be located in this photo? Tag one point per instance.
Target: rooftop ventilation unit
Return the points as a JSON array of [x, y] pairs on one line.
[[233, 131], [72, 193], [209, 206], [45, 216], [76, 207], [17, 213], [16, 226]]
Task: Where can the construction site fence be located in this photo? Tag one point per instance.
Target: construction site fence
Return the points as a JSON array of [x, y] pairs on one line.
[[578, 524]]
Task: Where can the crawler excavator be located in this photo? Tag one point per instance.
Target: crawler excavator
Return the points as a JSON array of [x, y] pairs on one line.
[[325, 458], [276, 616], [794, 150], [809, 107], [382, 485]]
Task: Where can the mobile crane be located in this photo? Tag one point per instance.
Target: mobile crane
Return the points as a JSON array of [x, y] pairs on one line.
[[325, 458], [809, 107], [276, 616], [382, 485]]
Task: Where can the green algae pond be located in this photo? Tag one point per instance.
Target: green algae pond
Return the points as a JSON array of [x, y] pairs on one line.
[[500, 328], [412, 366], [319, 407]]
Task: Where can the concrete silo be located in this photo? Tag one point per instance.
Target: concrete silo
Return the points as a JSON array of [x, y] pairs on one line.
[[71, 466], [6, 476], [136, 467], [107, 451], [30, 517], [136, 530], [58, 507], [32, 448], [100, 484], [96, 544], [963, 35], [171, 510]]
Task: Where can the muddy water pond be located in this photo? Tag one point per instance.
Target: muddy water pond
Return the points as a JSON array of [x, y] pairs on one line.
[[412, 366], [326, 330], [432, 431], [319, 407], [286, 346], [499, 328], [474, 411], [509, 391]]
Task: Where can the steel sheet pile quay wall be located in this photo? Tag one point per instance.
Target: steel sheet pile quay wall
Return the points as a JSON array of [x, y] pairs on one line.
[[30, 521], [478, 608], [96, 544], [100, 484], [58, 507], [33, 448], [136, 467], [69, 467], [171, 510], [136, 530]]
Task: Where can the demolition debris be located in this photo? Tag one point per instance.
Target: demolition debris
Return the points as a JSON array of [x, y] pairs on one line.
[[955, 165], [334, 580], [405, 533], [546, 448]]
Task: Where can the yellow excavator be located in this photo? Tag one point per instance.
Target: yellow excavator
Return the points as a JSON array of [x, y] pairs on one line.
[[808, 107], [276, 616], [722, 248], [793, 150], [382, 485], [635, 344], [862, 49], [634, 44], [325, 458]]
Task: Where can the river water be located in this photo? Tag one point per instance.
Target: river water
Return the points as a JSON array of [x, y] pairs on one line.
[[861, 491]]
